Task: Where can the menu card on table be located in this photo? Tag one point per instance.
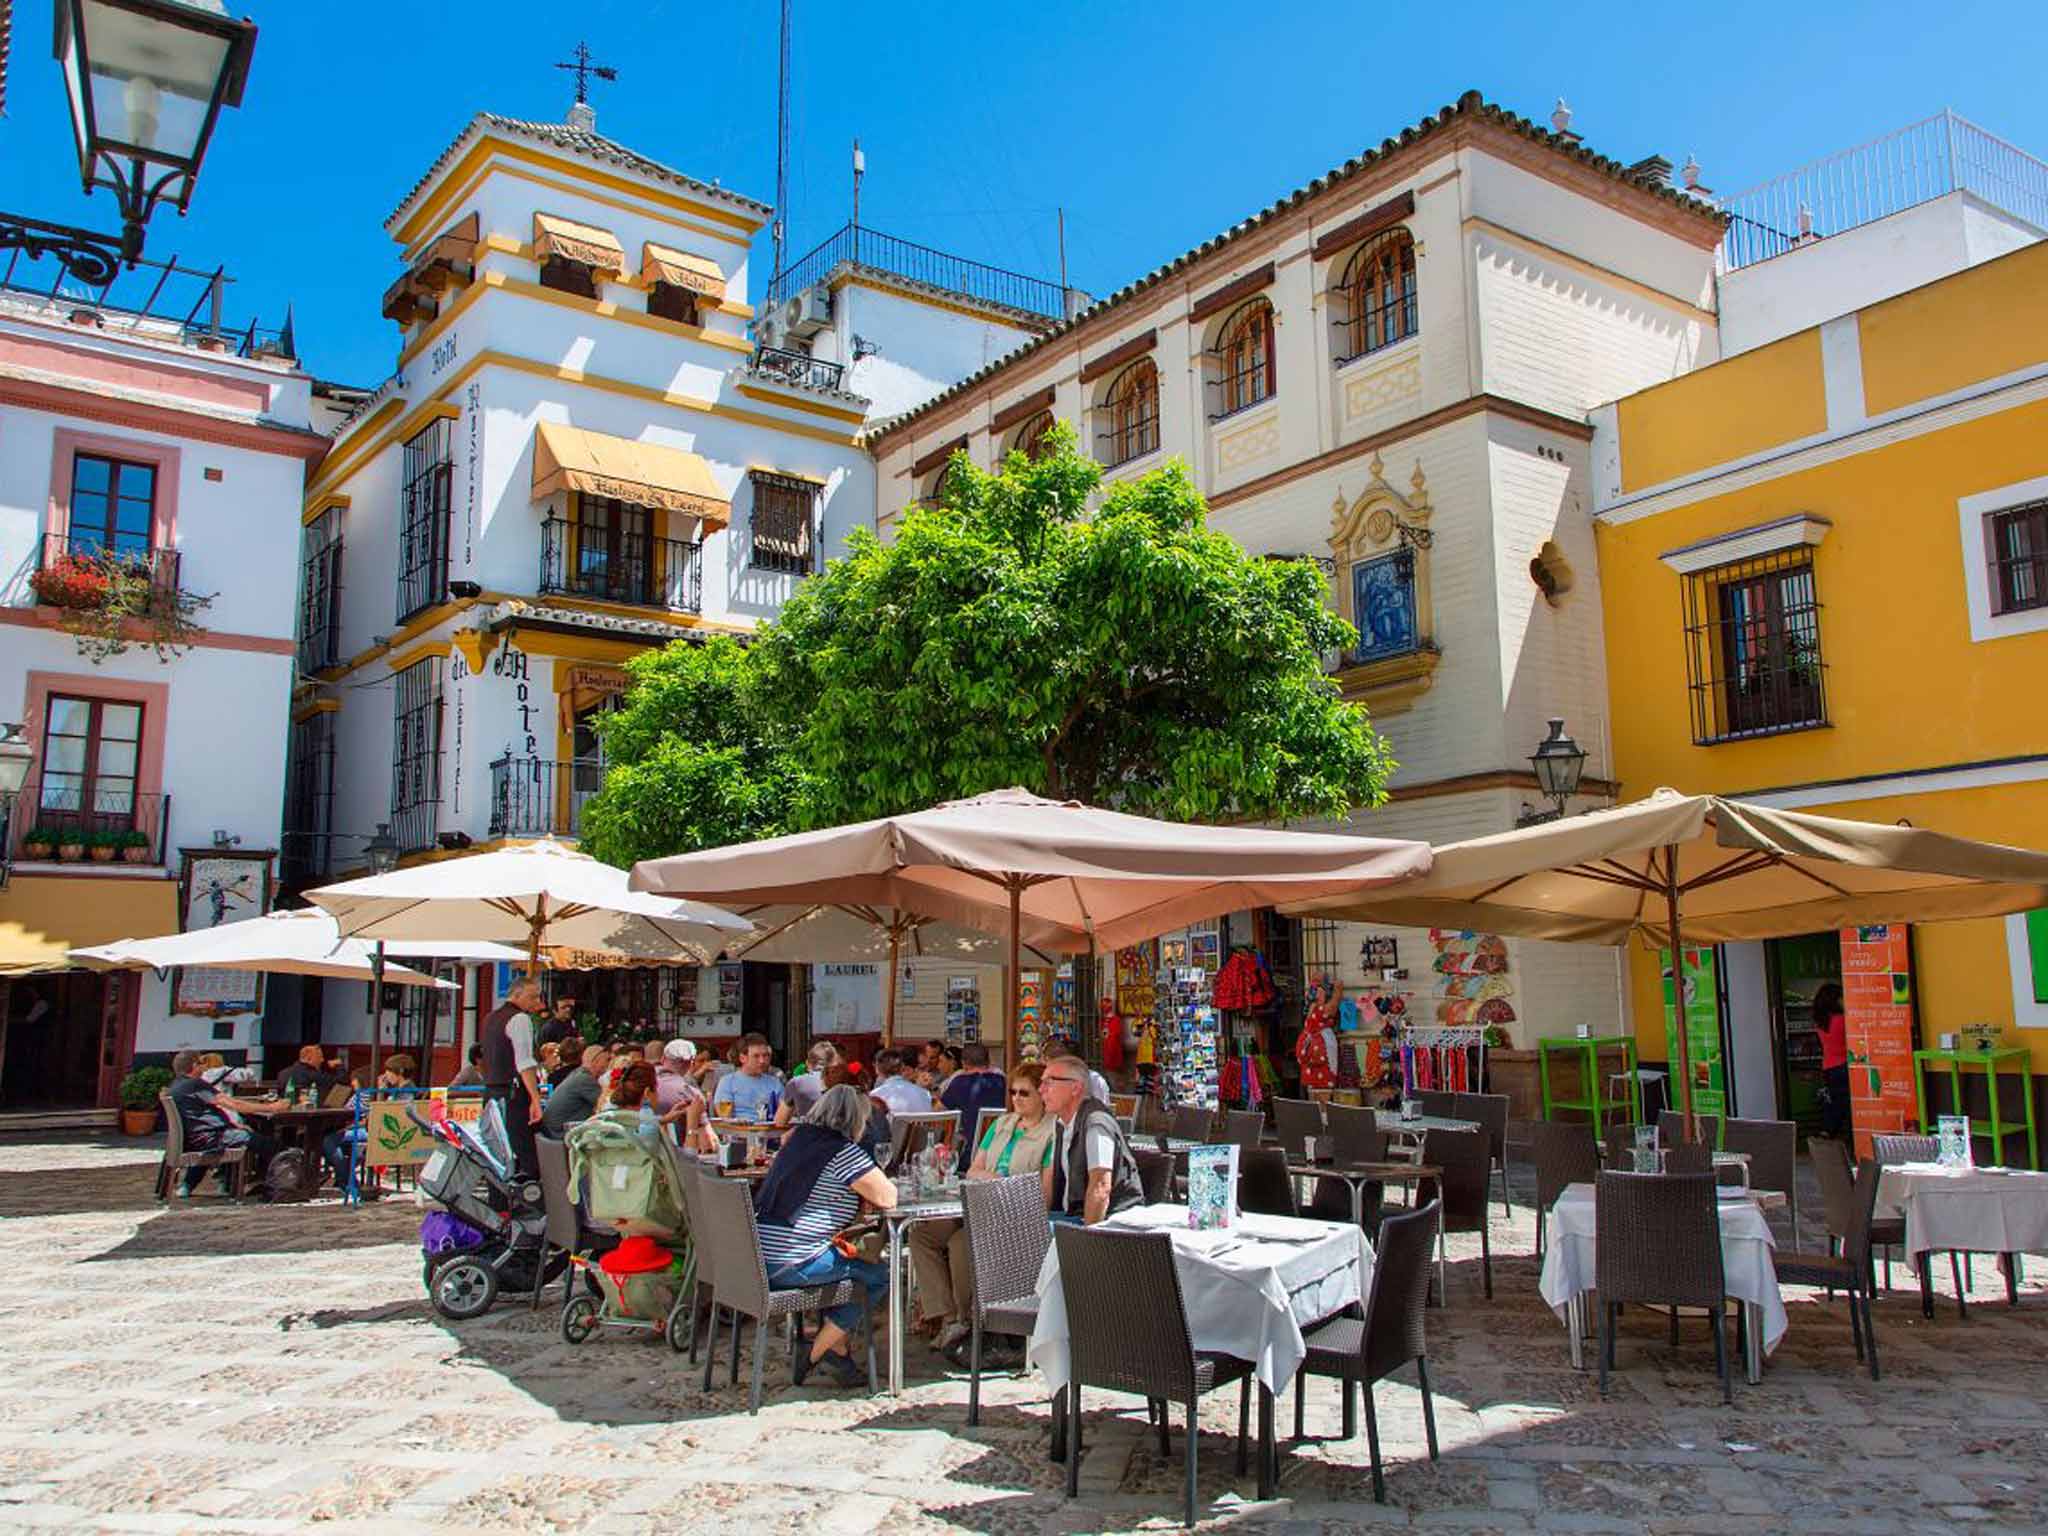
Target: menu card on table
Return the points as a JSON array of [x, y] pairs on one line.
[[1212, 1187]]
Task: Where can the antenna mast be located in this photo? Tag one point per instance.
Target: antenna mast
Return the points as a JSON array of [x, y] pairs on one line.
[[782, 148]]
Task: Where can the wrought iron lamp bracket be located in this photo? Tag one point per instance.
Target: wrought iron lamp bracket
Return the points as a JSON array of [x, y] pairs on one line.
[[93, 259]]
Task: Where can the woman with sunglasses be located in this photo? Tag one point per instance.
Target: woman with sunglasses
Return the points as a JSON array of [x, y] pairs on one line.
[[1018, 1141]]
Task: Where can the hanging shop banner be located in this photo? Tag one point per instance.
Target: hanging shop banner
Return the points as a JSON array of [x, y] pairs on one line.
[[1877, 995], [216, 886], [1702, 1014]]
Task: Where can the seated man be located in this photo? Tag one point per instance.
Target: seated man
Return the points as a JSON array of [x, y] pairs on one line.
[[208, 1119], [975, 1087], [338, 1147], [471, 1076], [750, 1092], [1092, 1173], [574, 1099], [312, 1073], [895, 1088]]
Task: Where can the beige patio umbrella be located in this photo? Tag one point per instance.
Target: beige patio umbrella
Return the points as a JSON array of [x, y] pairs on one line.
[[290, 943], [1678, 867], [1075, 876]]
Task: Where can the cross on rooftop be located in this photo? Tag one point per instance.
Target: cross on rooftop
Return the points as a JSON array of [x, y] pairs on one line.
[[584, 70]]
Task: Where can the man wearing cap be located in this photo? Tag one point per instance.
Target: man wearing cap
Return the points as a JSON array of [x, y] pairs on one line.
[[672, 1086]]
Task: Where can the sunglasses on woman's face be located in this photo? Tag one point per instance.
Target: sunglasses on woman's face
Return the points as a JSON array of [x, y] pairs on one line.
[[1022, 1093]]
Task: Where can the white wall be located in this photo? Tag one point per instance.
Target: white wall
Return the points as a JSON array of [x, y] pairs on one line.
[[924, 347]]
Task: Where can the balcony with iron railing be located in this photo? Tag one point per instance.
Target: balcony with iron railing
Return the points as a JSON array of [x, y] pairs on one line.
[[56, 819], [853, 245], [538, 797], [159, 299], [1900, 170], [798, 369], [588, 560], [79, 569]]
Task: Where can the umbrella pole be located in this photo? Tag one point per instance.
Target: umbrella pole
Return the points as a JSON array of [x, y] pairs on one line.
[[538, 922], [893, 984], [376, 1006], [1678, 991], [1016, 978]]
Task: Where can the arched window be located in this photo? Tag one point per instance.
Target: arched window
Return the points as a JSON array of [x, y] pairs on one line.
[[1376, 296], [1245, 347], [1130, 414], [1030, 437], [935, 488]]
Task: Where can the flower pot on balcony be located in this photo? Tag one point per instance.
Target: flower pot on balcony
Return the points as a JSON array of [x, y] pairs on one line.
[[71, 852], [103, 853], [136, 853], [138, 1122], [31, 849], [70, 581]]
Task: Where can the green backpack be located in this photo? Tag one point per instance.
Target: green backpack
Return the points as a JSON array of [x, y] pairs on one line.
[[629, 1183]]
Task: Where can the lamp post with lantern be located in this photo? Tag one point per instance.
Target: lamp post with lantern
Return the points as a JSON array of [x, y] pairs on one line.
[[16, 754], [1558, 762]]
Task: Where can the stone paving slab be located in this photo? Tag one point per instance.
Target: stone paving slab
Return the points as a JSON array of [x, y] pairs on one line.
[[212, 1367]]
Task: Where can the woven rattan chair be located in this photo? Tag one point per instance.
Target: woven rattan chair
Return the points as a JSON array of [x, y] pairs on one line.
[[1850, 1270], [1901, 1148], [1191, 1122], [177, 1159], [1837, 1199], [1007, 1236], [1618, 1153], [693, 1176], [1244, 1127], [1361, 1352], [1689, 1157], [564, 1232], [1264, 1186], [1295, 1120], [740, 1282], [1467, 1164], [1127, 1329], [1658, 1241], [1438, 1102], [1671, 1128], [1491, 1111], [1355, 1134], [1564, 1154], [1155, 1174], [1773, 1150]]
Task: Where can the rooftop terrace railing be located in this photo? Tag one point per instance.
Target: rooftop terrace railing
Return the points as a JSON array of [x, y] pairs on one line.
[[185, 301], [920, 263]]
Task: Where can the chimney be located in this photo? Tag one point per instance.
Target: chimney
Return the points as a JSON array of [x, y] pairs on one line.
[[1561, 121], [1653, 168], [582, 117]]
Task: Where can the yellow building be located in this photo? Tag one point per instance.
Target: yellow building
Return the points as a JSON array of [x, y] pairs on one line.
[[1824, 572]]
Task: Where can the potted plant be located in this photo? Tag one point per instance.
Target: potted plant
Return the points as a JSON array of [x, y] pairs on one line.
[[102, 846], [71, 842], [134, 845], [70, 581], [138, 1099], [40, 842]]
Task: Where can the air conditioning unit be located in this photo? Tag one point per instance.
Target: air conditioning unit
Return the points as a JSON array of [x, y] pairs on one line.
[[808, 312], [768, 330]]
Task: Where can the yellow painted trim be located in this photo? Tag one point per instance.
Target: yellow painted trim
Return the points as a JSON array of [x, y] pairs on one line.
[[735, 307], [605, 309], [320, 504], [991, 314], [409, 426], [426, 214], [471, 292], [639, 210], [317, 707], [343, 462], [473, 645], [1579, 264], [435, 645], [1392, 686], [655, 396], [441, 855], [816, 408], [581, 647]]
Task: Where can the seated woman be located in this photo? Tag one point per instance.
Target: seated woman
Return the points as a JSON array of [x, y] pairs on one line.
[[1020, 1141], [814, 1190], [568, 1057], [338, 1148]]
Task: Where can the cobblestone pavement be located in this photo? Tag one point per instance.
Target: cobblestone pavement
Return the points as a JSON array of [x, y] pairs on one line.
[[207, 1367]]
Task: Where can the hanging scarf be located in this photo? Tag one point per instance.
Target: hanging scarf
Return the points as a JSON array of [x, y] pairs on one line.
[[794, 1173]]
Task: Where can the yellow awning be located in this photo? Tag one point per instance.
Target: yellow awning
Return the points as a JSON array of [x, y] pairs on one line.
[[646, 474], [594, 247], [42, 916], [679, 269]]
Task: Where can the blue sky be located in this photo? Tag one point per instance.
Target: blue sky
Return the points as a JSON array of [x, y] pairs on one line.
[[1154, 126]]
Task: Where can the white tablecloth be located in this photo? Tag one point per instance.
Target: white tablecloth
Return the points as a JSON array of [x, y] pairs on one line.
[[1569, 1256], [1245, 1297], [1976, 1210]]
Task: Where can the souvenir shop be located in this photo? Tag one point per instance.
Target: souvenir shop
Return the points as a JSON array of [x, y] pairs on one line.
[[661, 1002]]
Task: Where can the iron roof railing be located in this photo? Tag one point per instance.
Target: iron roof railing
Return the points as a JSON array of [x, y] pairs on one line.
[[852, 244], [186, 300]]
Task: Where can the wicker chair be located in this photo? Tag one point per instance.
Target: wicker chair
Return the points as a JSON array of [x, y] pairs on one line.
[[740, 1282], [177, 1159], [1264, 1186], [698, 1271], [1007, 1236], [1361, 1353], [1658, 1241], [1850, 1270], [1689, 1157], [1191, 1122], [1897, 1148], [1564, 1154], [1295, 1120], [1773, 1150], [1467, 1164], [1155, 1173], [564, 1221], [1837, 1198], [1491, 1111], [1244, 1127], [1356, 1134], [1128, 1332], [1619, 1152], [1438, 1102], [1671, 1128]]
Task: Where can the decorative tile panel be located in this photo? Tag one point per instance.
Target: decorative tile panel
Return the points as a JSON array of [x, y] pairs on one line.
[[1390, 384]]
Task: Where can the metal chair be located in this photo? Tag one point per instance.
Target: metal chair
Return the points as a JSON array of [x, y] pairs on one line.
[[1900, 1148], [1363, 1352], [1491, 1111], [1850, 1270], [1264, 1186], [1243, 1127], [177, 1159], [1564, 1154], [740, 1283], [1772, 1147], [1155, 1173], [1296, 1120], [701, 1261], [1658, 1241], [1007, 1236], [1192, 1122], [564, 1221], [1671, 1128], [1128, 1332], [1466, 1162]]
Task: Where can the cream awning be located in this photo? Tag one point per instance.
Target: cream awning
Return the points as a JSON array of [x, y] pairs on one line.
[[646, 474], [43, 917], [594, 247], [679, 269]]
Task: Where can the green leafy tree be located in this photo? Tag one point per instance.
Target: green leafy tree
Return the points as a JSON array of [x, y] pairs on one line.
[[1130, 658]]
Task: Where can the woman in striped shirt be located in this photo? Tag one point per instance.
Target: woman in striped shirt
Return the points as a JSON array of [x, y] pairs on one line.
[[814, 1190]]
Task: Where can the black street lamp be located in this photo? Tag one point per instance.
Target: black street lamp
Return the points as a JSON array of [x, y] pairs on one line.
[[146, 81], [15, 756], [383, 850], [1558, 761]]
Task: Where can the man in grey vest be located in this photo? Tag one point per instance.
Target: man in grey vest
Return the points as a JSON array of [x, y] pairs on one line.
[[1093, 1173], [511, 1072]]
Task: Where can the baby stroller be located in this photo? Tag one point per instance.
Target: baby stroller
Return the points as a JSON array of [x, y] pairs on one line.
[[629, 1187], [493, 1235]]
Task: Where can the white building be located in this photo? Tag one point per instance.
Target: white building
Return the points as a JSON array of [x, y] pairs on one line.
[[143, 447], [1389, 371]]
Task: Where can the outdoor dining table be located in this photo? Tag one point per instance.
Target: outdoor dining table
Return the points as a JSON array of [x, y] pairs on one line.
[[1570, 1270], [907, 1213], [1967, 1210], [1250, 1289], [1393, 1122], [306, 1126]]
